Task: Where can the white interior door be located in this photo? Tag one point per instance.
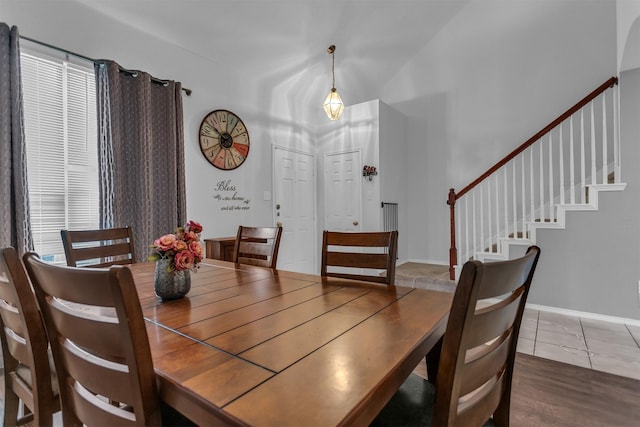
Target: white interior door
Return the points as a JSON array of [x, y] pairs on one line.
[[343, 188], [294, 207]]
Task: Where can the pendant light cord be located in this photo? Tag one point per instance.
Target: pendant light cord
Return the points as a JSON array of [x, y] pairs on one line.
[[333, 73], [331, 51]]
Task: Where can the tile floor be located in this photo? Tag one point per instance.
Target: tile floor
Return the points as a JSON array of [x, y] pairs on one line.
[[601, 345], [604, 346]]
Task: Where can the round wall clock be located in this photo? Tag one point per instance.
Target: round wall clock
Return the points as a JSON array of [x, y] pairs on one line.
[[224, 139]]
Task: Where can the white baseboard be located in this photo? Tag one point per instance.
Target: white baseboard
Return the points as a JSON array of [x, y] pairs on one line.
[[584, 314]]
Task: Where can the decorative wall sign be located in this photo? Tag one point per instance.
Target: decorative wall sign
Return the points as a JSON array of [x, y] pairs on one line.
[[224, 139], [226, 192]]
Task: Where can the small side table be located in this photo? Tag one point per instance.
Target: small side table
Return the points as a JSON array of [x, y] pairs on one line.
[[220, 248]]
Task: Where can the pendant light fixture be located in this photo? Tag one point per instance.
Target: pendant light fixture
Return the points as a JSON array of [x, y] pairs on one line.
[[332, 104]]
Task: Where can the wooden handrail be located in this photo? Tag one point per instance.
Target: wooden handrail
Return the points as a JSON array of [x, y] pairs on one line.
[[453, 196], [584, 101]]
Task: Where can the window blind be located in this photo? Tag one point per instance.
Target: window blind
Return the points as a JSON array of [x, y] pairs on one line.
[[61, 138]]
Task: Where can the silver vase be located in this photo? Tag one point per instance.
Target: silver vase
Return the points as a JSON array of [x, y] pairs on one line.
[[171, 284]]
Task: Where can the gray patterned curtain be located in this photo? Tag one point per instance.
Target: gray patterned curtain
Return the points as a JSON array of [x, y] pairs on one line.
[[15, 229], [141, 154]]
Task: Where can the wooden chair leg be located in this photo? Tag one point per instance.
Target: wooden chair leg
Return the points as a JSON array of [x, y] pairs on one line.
[[433, 360]]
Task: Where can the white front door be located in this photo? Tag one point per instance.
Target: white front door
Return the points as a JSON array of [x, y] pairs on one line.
[[343, 187], [294, 208]]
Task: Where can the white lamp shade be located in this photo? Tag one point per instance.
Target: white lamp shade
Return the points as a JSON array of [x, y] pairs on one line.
[[333, 105]]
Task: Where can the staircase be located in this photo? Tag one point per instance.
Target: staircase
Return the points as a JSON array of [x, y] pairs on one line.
[[561, 168]]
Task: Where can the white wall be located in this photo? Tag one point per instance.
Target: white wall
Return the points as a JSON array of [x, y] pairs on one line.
[[495, 75], [628, 34], [393, 174]]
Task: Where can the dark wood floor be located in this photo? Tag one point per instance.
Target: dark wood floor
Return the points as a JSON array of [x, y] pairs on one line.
[[550, 393]]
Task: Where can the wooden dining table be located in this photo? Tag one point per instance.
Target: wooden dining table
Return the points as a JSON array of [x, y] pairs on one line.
[[254, 346]]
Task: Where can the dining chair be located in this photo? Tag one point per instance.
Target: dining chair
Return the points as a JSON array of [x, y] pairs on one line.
[[99, 248], [28, 373], [99, 343], [360, 255], [257, 246], [473, 380]]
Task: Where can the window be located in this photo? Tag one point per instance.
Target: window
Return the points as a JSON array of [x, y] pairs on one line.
[[61, 138]]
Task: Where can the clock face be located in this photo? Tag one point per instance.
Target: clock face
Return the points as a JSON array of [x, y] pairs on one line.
[[224, 139]]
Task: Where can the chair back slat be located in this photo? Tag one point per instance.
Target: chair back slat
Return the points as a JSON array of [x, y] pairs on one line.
[[98, 248], [87, 406], [357, 260], [7, 293], [499, 279], [260, 232], [493, 321], [479, 408], [97, 291], [12, 319], [117, 249], [257, 246], [88, 327], [362, 239], [478, 349], [25, 355], [484, 367], [18, 347], [369, 256], [100, 344], [83, 236], [102, 377]]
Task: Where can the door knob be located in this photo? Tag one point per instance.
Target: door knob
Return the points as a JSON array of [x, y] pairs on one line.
[[355, 222]]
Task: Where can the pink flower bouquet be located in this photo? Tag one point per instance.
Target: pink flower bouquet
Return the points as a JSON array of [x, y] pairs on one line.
[[183, 248]]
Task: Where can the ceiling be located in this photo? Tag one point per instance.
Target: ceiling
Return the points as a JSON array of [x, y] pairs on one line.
[[278, 41]]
